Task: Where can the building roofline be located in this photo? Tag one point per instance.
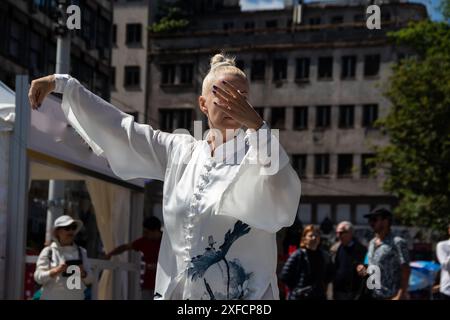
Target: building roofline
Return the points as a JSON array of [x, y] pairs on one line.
[[271, 47]]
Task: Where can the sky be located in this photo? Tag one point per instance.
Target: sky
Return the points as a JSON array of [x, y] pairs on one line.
[[432, 6]]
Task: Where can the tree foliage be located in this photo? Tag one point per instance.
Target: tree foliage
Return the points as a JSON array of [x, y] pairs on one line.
[[417, 160], [172, 16]]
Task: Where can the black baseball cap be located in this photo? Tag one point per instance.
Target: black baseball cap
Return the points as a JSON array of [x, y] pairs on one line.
[[383, 212]]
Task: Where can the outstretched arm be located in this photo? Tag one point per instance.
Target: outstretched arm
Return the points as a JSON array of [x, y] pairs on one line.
[[119, 250], [133, 150]]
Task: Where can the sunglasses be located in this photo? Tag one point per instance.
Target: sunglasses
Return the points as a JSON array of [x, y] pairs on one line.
[[71, 227]]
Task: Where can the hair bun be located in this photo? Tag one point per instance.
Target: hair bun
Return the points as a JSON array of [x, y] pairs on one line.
[[221, 59]]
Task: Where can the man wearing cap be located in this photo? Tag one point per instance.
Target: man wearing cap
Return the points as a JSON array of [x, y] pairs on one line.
[[443, 255], [54, 260], [388, 254]]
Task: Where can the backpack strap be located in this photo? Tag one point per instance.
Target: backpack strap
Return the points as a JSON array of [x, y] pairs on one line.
[[80, 254], [50, 256]]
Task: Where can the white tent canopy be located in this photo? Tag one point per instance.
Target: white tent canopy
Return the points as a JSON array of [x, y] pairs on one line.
[[54, 151]]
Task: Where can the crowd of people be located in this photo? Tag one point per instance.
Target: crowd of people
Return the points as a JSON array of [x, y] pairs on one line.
[[347, 271], [351, 271]]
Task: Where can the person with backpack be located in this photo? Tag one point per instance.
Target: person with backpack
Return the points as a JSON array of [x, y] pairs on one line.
[[60, 263]]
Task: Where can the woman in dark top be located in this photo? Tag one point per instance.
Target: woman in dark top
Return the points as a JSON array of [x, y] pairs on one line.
[[309, 269]]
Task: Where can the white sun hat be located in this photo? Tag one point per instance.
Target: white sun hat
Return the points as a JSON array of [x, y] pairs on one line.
[[65, 221]]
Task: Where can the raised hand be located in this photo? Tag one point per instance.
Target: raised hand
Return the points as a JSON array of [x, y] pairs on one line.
[[234, 103], [40, 88]]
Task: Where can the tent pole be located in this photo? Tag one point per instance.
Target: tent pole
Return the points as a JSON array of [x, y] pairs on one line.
[[18, 195]]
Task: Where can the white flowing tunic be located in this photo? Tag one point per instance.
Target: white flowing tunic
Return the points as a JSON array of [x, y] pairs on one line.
[[220, 212]]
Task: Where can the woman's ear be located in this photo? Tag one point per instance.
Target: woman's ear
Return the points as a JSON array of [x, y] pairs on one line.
[[202, 105]]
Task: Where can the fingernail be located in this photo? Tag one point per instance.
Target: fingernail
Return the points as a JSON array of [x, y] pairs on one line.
[[215, 103], [223, 81], [214, 87], [214, 92]]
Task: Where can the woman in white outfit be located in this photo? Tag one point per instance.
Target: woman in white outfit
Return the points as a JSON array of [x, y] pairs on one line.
[[53, 268], [225, 196]]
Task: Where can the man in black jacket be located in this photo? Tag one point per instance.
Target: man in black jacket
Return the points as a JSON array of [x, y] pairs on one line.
[[348, 253]]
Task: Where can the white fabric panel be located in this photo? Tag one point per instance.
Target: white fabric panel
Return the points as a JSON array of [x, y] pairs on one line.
[[112, 212]]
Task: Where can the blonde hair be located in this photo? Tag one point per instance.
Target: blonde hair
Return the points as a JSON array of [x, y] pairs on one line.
[[220, 63]]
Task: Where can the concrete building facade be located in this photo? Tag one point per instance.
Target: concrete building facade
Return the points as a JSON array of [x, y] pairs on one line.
[[28, 45], [320, 82], [129, 56]]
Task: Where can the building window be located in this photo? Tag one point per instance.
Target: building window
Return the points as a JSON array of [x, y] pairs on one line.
[[323, 116], [260, 111], [345, 164], [321, 164], [279, 69], [114, 34], [132, 76], [113, 77], [299, 164], [87, 20], [51, 58], [300, 118], [304, 214], [101, 85], [36, 54], [337, 20], [134, 34], [370, 115], [168, 74], [171, 119], [348, 67], [359, 18], [228, 26], [366, 166], [186, 73], [15, 40], [103, 37], [346, 116], [325, 67], [240, 64], [302, 69], [249, 25], [271, 24], [315, 21], [258, 70], [135, 115], [278, 118], [371, 65]]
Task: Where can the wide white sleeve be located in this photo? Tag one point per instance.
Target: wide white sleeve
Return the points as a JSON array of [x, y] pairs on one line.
[[265, 193], [133, 150], [42, 272], [442, 256]]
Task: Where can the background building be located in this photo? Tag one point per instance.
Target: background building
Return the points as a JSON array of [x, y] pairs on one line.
[[28, 43], [320, 82], [129, 56]]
